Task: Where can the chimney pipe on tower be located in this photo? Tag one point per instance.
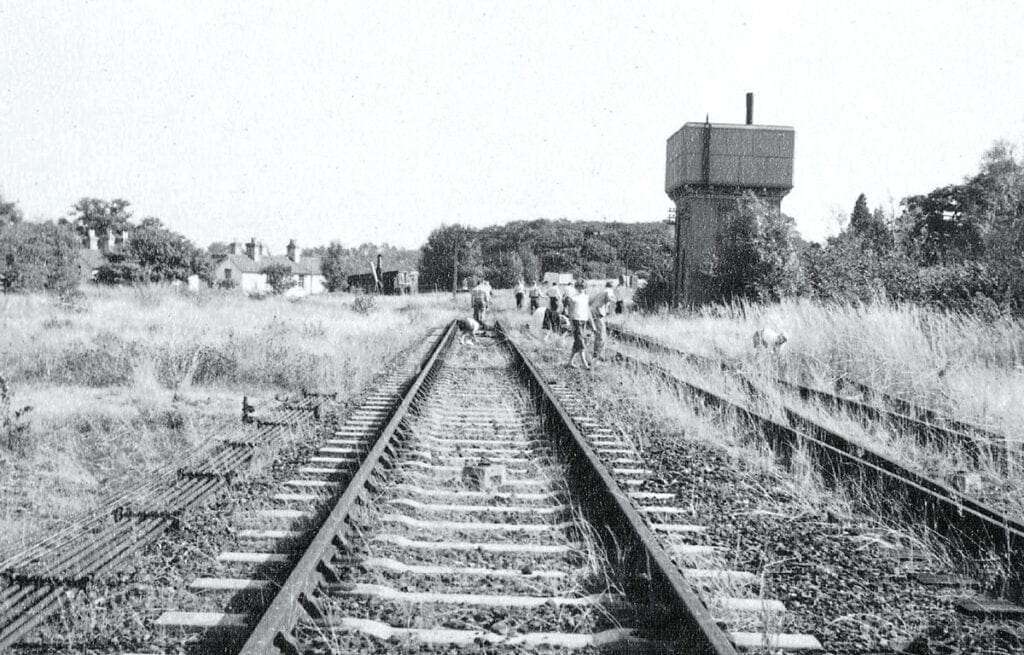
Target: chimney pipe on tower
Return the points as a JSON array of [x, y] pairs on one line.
[[750, 109]]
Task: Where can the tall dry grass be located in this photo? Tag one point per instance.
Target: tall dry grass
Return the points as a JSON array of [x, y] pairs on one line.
[[968, 367], [128, 380]]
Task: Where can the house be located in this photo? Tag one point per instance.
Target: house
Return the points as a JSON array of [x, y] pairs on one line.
[[98, 251], [393, 283], [244, 266]]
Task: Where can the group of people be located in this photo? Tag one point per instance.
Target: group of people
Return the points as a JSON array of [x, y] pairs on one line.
[[571, 310], [575, 310]]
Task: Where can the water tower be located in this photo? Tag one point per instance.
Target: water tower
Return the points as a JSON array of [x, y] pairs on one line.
[[708, 167]]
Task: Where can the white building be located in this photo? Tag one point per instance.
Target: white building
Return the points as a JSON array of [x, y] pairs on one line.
[[244, 264]]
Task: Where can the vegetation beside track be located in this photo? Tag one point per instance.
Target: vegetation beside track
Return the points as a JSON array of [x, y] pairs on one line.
[[967, 367], [125, 380], [837, 558]]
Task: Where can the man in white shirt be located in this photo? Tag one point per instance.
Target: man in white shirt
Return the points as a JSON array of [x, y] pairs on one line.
[[599, 308], [519, 291], [579, 313], [534, 297], [481, 295]]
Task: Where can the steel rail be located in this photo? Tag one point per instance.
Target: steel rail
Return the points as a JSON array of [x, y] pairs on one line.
[[655, 577], [946, 510], [921, 413], [654, 572], [293, 598], [39, 576], [927, 425]]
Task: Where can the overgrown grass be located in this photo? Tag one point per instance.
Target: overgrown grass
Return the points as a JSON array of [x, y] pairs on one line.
[[129, 380], [967, 367]]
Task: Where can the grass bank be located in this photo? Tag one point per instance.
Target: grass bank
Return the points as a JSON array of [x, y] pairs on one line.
[[126, 380], [969, 368]]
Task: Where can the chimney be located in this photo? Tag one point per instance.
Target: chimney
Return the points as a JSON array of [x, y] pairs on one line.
[[293, 251], [253, 250], [233, 248], [750, 109], [92, 243]]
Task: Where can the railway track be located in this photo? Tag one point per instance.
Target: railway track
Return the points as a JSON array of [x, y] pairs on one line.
[[985, 531], [478, 517], [39, 578], [927, 425]]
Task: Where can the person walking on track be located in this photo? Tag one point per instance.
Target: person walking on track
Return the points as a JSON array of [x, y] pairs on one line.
[[534, 297], [554, 294], [599, 309], [579, 313], [519, 291], [481, 297]]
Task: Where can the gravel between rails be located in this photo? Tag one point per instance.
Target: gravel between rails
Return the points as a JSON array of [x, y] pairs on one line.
[[117, 614], [839, 572], [474, 384]]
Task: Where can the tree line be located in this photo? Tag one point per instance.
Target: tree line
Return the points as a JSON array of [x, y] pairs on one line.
[[524, 250], [45, 256], [960, 246]]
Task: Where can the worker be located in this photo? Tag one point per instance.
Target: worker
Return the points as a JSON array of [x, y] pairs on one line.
[[554, 294], [599, 308], [519, 291], [481, 298], [579, 314], [534, 297]]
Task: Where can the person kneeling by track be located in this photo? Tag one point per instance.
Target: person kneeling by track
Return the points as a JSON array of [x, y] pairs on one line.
[[468, 328]]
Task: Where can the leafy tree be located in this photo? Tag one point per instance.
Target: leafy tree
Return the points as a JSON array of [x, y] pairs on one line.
[[870, 228], [279, 277], [446, 246], [100, 215], [507, 271], [217, 249], [39, 257], [120, 272], [348, 261], [163, 255], [755, 254], [332, 265], [941, 227], [531, 265], [860, 219], [9, 212]]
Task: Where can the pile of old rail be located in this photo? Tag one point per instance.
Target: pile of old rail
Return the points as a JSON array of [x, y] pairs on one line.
[[976, 526], [473, 410], [926, 425], [36, 578]]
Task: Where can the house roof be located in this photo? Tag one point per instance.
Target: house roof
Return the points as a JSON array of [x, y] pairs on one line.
[[242, 263]]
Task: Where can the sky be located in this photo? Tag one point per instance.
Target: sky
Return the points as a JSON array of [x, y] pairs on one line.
[[379, 121]]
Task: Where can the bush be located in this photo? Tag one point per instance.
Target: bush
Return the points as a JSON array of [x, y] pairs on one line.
[[118, 273], [39, 257], [279, 277], [227, 284], [364, 304], [653, 296]]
